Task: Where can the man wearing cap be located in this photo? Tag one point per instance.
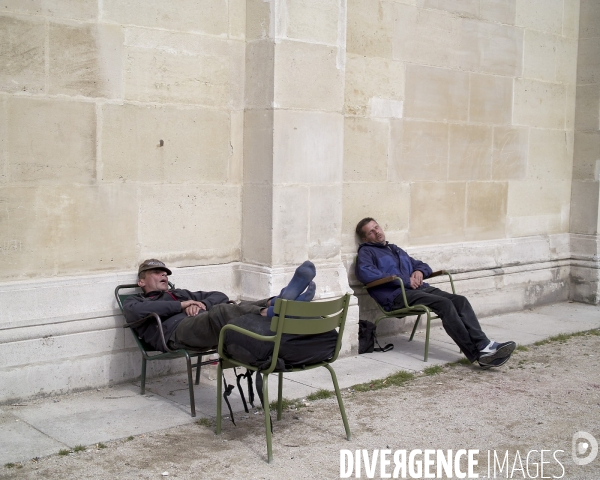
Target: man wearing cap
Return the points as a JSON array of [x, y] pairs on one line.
[[194, 319], [378, 259]]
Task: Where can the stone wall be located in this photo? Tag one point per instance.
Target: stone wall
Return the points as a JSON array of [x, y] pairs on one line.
[[235, 138]]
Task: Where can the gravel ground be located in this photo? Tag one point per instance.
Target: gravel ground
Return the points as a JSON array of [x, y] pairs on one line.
[[539, 400]]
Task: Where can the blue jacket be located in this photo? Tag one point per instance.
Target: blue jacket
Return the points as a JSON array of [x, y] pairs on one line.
[[376, 261]]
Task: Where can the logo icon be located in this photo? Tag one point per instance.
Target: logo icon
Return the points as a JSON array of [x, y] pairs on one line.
[[585, 448]]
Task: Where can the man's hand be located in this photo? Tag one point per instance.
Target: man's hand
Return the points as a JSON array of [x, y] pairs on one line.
[[192, 307], [416, 279]]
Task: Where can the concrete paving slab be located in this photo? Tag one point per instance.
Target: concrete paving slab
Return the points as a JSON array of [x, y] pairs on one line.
[[21, 442], [104, 415]]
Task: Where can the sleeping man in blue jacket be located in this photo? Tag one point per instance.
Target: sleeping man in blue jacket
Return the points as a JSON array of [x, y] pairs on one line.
[[378, 259]]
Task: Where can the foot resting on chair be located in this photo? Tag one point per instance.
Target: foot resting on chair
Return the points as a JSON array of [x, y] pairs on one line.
[[301, 287]]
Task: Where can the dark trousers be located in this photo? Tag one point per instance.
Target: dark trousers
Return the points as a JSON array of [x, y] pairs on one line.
[[202, 331], [456, 313]]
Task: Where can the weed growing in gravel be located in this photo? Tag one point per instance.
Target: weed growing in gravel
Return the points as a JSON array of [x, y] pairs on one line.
[[563, 337], [521, 348], [433, 370], [204, 422], [285, 404], [129, 438], [10, 465], [320, 394], [64, 451], [462, 361], [397, 378], [101, 445]]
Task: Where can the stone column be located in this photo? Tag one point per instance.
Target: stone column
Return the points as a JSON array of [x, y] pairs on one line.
[[293, 145], [585, 191]]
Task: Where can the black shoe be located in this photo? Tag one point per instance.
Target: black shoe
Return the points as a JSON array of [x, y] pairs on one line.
[[502, 350], [497, 362]]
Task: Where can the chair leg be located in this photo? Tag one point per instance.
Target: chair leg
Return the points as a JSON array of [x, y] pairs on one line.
[[427, 337], [340, 402], [219, 397], [280, 396], [191, 385], [265, 389], [143, 378], [198, 367], [414, 328]]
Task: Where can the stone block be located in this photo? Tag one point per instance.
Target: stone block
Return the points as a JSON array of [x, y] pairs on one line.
[[436, 94], [22, 54], [258, 20], [486, 210], [237, 19], [426, 36], [191, 211], [586, 157], [200, 16], [566, 60], [588, 60], [550, 154], [257, 224], [236, 156], [470, 152], [258, 146], [291, 220], [308, 147], [539, 104], [370, 28], [85, 59], [585, 207], [467, 8], [325, 222], [587, 108], [538, 207], [571, 18], [499, 11], [3, 140], [195, 144], [314, 21], [509, 156], [175, 67], [50, 141], [588, 18], [364, 199], [366, 144], [50, 230], [368, 78], [307, 76], [491, 48], [571, 101], [260, 68], [540, 52], [72, 9], [490, 99], [540, 15], [437, 212], [418, 151]]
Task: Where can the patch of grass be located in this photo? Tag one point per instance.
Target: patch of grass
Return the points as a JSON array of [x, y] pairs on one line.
[[521, 348], [433, 370], [10, 465], [285, 404], [563, 337], [204, 422], [397, 378], [129, 438], [320, 394], [64, 451], [79, 448], [100, 445], [462, 361]]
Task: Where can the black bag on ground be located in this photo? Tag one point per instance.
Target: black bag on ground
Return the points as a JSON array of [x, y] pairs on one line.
[[295, 351], [367, 338]]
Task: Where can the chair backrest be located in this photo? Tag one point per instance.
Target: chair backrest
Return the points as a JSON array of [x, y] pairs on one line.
[[310, 318]]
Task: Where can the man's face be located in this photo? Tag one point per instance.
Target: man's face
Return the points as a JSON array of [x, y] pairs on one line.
[[155, 280], [373, 233]]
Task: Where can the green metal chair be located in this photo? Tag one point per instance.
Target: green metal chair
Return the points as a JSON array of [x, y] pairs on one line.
[[302, 318], [168, 354], [407, 310]]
